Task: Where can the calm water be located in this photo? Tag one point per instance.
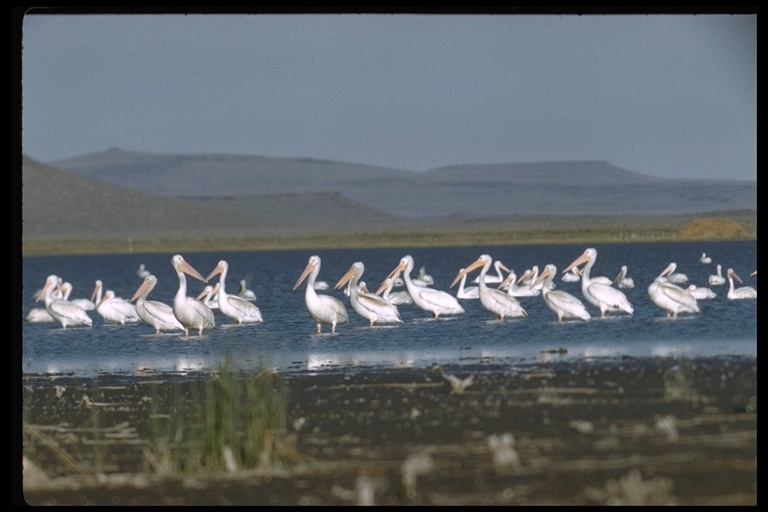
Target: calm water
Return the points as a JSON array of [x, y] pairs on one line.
[[287, 340]]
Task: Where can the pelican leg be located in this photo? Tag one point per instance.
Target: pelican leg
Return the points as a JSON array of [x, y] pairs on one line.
[[319, 327]]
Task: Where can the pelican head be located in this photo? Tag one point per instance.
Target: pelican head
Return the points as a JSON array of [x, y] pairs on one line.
[[181, 265], [549, 270], [483, 260], [312, 265], [221, 268], [356, 270], [588, 255], [734, 275], [146, 286]]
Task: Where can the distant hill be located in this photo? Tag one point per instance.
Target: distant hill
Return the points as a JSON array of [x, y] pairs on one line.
[[545, 188]]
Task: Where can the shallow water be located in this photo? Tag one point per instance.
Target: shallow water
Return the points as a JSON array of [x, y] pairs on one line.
[[287, 339]]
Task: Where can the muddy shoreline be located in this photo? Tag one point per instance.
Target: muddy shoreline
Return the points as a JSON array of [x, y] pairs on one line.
[[599, 431]]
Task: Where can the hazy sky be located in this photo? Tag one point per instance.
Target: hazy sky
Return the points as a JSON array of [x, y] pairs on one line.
[[665, 95]]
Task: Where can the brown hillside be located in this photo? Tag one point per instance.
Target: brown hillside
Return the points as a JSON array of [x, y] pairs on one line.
[[713, 228]]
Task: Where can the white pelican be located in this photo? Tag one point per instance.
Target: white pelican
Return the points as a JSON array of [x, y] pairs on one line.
[[396, 298], [368, 305], [745, 292], [676, 277], [705, 259], [142, 271], [41, 314], [498, 278], [564, 304], [435, 301], [572, 276], [622, 281], [210, 296], [244, 292], [510, 284], [699, 293], [192, 313], [116, 311], [323, 309], [233, 306], [64, 312], [717, 279], [466, 292], [497, 302], [425, 278], [66, 289], [604, 296], [670, 297], [157, 314]]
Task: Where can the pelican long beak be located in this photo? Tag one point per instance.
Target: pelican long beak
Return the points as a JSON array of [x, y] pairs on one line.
[[217, 270], [544, 274], [399, 268], [504, 268], [140, 290], [42, 291], [667, 270], [578, 261], [735, 275], [508, 280], [617, 278], [308, 270], [524, 276], [104, 299], [206, 291], [477, 263], [189, 269], [96, 289], [384, 285], [346, 277]]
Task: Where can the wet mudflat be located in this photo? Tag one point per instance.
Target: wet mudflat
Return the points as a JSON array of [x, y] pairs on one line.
[[598, 431]]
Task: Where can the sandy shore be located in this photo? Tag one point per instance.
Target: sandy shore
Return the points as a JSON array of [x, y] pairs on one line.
[[602, 431]]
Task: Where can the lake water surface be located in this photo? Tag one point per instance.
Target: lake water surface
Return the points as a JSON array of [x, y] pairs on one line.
[[287, 340]]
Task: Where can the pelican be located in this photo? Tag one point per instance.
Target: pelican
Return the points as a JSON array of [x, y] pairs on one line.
[[435, 301], [572, 276], [157, 314], [425, 278], [510, 284], [564, 304], [190, 312], [323, 309], [670, 297], [368, 305], [676, 277], [210, 296], [116, 311], [700, 293], [705, 259], [66, 289], [64, 312], [244, 292], [717, 279], [622, 281], [498, 278], [605, 297], [469, 292], [234, 306], [41, 314], [497, 302], [745, 292], [396, 298], [142, 271]]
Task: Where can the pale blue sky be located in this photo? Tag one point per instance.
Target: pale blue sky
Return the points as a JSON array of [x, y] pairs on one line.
[[665, 95]]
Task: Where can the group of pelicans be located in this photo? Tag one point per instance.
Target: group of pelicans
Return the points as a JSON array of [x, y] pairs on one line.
[[196, 313]]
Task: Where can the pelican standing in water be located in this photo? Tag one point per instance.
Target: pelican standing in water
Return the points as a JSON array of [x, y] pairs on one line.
[[497, 302], [565, 305], [64, 312], [745, 292], [368, 305], [116, 311], [323, 309], [717, 279], [670, 297], [235, 307], [622, 281], [157, 314], [189, 311], [435, 301], [699, 293], [604, 296]]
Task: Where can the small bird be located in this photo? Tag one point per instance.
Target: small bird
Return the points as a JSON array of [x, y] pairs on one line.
[[705, 259]]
